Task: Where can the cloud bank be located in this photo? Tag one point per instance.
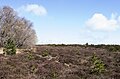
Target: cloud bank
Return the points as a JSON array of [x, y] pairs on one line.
[[100, 22]]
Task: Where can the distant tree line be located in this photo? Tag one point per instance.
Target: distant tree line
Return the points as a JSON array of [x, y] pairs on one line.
[[110, 48]]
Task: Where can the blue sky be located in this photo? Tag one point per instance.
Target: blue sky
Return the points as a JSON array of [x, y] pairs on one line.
[[71, 21]]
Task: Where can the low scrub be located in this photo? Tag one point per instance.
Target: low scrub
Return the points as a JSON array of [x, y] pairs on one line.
[[10, 48], [98, 66]]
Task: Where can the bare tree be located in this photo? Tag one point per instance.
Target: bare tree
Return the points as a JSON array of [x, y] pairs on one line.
[[15, 28]]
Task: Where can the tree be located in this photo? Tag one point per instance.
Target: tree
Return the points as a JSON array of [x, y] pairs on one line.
[[15, 28]]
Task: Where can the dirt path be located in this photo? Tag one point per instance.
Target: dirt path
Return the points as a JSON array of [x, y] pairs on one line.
[[1, 50]]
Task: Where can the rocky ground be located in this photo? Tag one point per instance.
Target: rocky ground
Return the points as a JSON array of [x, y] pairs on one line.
[[60, 62]]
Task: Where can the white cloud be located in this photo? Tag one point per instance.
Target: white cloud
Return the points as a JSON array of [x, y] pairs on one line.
[[100, 22], [38, 10]]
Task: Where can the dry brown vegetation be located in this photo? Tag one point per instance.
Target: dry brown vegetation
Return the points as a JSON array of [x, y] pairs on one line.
[[59, 62]]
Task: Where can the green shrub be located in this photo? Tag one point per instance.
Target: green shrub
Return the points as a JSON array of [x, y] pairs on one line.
[[53, 75], [112, 49], [45, 53], [33, 69], [9, 48], [97, 65], [30, 56]]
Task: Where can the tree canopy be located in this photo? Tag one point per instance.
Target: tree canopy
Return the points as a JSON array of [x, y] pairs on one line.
[[15, 28]]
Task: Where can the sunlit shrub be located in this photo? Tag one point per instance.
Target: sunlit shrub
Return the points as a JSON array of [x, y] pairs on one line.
[[97, 65], [10, 48]]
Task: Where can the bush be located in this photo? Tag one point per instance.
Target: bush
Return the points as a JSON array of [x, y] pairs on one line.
[[98, 66], [112, 49], [30, 56], [10, 48], [33, 69], [45, 53]]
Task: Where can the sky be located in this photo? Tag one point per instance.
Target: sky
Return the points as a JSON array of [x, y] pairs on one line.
[[71, 21]]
